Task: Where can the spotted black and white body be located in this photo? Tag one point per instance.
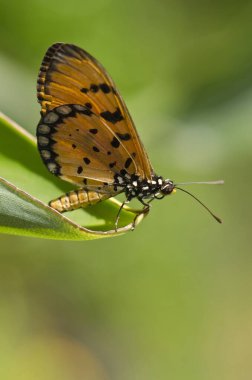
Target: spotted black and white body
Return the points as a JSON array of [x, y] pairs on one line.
[[142, 189]]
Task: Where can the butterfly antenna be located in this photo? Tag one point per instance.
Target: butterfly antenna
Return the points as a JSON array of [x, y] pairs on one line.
[[219, 182], [202, 204]]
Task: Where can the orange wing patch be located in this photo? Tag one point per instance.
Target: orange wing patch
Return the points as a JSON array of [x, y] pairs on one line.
[[69, 75]]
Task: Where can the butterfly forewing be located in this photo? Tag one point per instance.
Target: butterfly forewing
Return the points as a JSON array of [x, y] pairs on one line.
[[69, 75]]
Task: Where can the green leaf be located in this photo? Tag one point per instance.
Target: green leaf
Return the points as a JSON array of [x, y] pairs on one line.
[[26, 187]]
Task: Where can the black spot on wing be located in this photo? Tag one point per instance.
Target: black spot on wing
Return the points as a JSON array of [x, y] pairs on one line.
[[123, 172], [80, 170], [112, 164], [124, 136], [105, 88], [115, 142], [94, 88], [128, 162], [87, 112], [112, 117], [86, 160], [93, 130], [95, 149]]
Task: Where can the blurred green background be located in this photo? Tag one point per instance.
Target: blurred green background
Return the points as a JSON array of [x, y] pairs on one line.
[[173, 299]]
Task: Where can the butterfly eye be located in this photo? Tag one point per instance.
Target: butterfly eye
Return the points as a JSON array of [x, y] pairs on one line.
[[167, 188]]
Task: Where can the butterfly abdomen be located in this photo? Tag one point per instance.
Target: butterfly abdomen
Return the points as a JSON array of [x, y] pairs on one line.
[[76, 199]]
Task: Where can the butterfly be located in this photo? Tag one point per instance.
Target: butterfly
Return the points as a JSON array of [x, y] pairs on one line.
[[86, 135]]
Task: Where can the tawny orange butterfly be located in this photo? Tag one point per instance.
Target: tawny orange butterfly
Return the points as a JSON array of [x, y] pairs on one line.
[[87, 137]]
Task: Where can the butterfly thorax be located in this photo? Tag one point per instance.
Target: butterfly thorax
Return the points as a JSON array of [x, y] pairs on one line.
[[136, 187]]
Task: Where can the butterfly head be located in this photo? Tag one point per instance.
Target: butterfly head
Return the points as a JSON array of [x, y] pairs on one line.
[[167, 187]]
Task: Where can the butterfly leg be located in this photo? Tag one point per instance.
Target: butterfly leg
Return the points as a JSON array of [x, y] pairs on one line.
[[144, 210], [76, 199], [147, 205], [158, 196], [118, 214]]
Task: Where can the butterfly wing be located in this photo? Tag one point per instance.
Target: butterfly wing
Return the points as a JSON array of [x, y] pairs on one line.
[[78, 146], [69, 75]]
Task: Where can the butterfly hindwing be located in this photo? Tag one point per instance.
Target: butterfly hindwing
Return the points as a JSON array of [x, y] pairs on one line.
[[69, 75], [76, 145]]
